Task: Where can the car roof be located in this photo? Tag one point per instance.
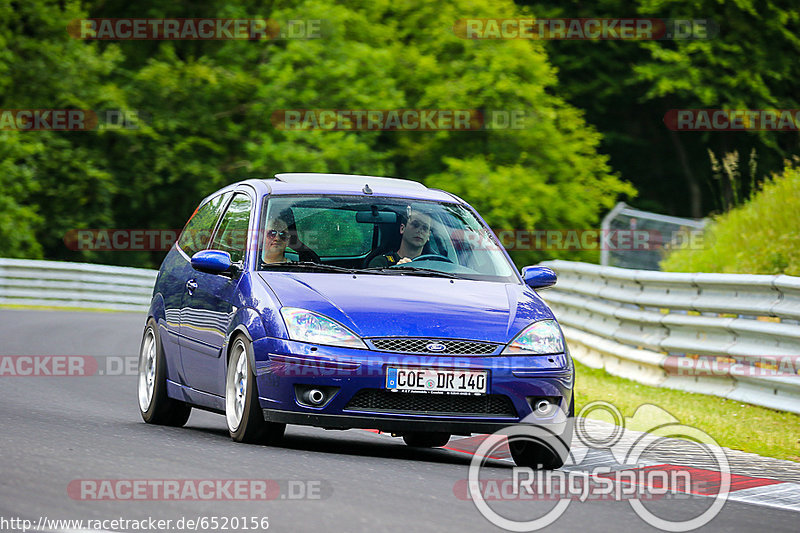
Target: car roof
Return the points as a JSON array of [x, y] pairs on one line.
[[347, 184]]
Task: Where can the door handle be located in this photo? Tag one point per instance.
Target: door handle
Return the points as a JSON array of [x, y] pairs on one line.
[[191, 286]]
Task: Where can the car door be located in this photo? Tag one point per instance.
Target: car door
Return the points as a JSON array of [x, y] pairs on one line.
[[208, 302], [172, 281], [176, 272]]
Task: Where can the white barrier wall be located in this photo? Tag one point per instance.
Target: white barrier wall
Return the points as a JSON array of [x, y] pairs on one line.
[[730, 335], [657, 328], [76, 285]]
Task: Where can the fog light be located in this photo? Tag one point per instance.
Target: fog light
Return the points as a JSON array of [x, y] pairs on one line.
[[544, 406], [314, 397]]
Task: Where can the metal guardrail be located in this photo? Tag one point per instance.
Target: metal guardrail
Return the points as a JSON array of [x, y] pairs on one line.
[[666, 231], [659, 328], [639, 324], [75, 285]]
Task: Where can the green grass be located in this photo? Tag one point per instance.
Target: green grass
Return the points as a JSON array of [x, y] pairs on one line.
[[732, 424], [758, 237]]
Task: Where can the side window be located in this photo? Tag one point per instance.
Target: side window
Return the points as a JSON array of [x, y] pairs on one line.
[[197, 233], [231, 236]]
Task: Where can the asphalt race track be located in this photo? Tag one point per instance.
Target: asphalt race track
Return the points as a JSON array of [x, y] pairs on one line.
[[57, 431]]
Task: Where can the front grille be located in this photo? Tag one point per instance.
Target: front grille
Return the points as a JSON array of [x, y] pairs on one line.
[[418, 345], [432, 404]]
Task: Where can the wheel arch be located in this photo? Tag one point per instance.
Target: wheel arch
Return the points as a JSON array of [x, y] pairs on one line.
[[247, 322], [157, 310]]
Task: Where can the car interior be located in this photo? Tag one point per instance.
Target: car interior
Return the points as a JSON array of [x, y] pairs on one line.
[[385, 239]]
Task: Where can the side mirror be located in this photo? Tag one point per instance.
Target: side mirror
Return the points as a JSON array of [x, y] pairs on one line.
[[539, 277], [211, 261]]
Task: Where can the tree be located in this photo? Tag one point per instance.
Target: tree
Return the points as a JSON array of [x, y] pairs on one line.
[[626, 88], [53, 181], [207, 108]]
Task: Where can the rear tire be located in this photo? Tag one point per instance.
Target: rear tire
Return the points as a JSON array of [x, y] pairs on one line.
[[154, 404], [242, 409], [428, 439]]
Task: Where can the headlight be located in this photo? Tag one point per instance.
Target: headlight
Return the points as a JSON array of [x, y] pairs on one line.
[[543, 337], [305, 326]]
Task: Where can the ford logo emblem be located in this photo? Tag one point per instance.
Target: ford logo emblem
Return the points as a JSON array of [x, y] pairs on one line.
[[435, 347]]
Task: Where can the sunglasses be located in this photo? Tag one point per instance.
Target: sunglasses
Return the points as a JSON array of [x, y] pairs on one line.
[[282, 235]]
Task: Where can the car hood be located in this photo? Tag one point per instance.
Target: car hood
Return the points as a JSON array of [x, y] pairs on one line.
[[413, 306]]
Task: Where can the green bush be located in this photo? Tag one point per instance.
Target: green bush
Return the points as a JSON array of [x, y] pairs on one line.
[[758, 237]]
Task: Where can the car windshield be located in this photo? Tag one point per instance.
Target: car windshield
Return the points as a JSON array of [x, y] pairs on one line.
[[353, 233]]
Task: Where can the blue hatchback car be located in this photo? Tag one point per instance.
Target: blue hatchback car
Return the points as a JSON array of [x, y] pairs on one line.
[[342, 302]]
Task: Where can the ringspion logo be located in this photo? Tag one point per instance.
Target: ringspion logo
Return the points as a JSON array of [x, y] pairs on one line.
[[625, 478]]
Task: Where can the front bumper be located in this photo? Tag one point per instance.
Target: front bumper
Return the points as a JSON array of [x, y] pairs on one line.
[[393, 424], [285, 367]]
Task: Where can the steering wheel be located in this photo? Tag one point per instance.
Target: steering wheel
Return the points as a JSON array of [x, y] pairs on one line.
[[432, 257]]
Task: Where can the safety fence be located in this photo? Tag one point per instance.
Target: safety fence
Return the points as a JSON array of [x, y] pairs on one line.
[[731, 335], [75, 285]]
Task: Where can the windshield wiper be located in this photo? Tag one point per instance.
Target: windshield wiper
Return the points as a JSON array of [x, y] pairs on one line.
[[416, 271], [309, 265]]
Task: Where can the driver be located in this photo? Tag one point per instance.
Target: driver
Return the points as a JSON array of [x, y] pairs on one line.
[[276, 238], [415, 234]]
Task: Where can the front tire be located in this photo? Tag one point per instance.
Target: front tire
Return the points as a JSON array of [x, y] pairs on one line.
[[154, 404], [426, 439], [548, 453], [534, 454], [242, 409]]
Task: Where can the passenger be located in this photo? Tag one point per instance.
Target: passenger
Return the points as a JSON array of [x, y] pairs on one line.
[[414, 236], [276, 237]]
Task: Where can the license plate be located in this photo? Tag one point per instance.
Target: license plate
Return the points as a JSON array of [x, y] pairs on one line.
[[428, 380]]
